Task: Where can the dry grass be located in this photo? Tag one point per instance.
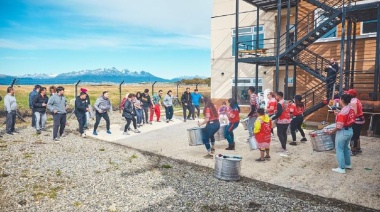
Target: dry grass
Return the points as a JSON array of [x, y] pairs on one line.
[[94, 91]]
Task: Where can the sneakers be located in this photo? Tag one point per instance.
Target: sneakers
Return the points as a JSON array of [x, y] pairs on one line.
[[9, 133], [136, 131], [267, 157], [339, 170], [158, 121], [15, 132], [95, 133], [212, 151], [167, 121], [83, 135], [38, 132], [293, 143], [260, 160], [62, 136], [283, 151], [109, 132], [56, 140], [125, 133], [208, 156], [43, 129], [348, 166], [303, 140]]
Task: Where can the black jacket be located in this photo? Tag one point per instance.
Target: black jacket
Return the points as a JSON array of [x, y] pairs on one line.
[[145, 99], [128, 110], [80, 106], [37, 103], [186, 98], [88, 99]]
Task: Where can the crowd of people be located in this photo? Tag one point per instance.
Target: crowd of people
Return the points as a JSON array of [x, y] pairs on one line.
[[140, 108]]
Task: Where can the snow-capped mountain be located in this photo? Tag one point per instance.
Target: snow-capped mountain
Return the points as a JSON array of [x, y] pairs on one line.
[[39, 76]]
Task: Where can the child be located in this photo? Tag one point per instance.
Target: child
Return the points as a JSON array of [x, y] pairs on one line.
[[223, 119], [262, 130]]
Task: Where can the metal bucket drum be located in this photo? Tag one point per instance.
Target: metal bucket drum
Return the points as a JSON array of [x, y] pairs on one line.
[[219, 136], [227, 167], [252, 143], [320, 141], [244, 122], [331, 127], [195, 136]]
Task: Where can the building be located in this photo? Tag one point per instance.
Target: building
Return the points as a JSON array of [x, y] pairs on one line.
[[309, 34]]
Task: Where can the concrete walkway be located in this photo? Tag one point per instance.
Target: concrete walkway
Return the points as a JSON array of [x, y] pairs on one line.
[[300, 169]]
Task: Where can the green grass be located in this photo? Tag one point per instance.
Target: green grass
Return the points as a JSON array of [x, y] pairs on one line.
[[77, 204], [102, 149], [27, 155], [58, 172], [166, 166], [53, 193]]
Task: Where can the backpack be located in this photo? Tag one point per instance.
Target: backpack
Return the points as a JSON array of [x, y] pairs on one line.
[[122, 103]]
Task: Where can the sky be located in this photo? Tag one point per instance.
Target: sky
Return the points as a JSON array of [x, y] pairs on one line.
[[168, 38]]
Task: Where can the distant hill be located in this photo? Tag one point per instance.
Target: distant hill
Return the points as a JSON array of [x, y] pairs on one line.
[[101, 76]]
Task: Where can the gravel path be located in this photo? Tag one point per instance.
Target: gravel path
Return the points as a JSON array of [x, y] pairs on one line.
[[82, 174]]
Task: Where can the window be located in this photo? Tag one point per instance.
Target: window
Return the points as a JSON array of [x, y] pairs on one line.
[[320, 19], [247, 38], [369, 27], [242, 89]]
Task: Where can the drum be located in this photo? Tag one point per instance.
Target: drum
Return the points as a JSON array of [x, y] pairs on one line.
[[227, 167], [321, 141], [195, 136], [244, 122], [331, 127], [219, 136]]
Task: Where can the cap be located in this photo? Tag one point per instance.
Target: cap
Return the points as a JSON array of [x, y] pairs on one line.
[[84, 90], [351, 92]]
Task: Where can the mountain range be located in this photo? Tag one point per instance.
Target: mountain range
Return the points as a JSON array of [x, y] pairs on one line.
[[100, 76]]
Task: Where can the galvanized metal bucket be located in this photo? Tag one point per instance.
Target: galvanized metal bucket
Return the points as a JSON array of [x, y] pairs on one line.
[[219, 136], [244, 122], [331, 127], [227, 167], [252, 143], [194, 136], [320, 141]]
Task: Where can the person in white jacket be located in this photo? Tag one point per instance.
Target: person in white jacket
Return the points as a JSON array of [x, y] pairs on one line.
[[168, 104]]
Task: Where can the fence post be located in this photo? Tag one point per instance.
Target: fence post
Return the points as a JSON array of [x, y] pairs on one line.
[[120, 93], [196, 86], [76, 89], [13, 82], [153, 87], [178, 86]]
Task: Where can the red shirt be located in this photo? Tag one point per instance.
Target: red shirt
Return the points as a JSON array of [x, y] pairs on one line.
[[297, 110], [345, 118], [210, 115], [264, 136], [272, 106], [285, 115], [359, 111], [233, 115]]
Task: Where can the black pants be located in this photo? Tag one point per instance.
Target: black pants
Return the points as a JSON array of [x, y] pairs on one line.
[[33, 118], [356, 128], [11, 121], [198, 110], [282, 135], [169, 112], [146, 114], [296, 124], [133, 119], [81, 121], [330, 87], [98, 117], [59, 121], [187, 107]]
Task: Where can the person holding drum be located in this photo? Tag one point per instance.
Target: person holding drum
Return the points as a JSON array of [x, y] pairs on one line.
[[359, 122], [212, 126], [272, 106], [344, 121], [297, 119], [234, 119], [263, 125]]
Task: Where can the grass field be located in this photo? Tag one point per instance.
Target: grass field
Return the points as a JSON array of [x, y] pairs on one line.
[[94, 91]]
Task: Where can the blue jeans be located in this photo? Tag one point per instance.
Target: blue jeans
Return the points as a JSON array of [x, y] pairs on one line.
[[208, 133], [139, 115], [169, 112], [342, 142], [228, 132], [251, 122]]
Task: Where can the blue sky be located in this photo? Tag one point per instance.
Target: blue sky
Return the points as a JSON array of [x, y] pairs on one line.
[[168, 38]]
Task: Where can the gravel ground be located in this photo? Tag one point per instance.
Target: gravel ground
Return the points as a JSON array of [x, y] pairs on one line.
[[83, 174]]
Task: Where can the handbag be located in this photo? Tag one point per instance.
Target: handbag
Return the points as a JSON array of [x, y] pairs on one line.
[[252, 143]]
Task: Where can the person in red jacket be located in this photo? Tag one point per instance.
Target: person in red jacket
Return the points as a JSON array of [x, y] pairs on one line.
[[344, 121], [297, 109], [262, 130], [283, 120], [234, 119], [272, 106], [359, 122]]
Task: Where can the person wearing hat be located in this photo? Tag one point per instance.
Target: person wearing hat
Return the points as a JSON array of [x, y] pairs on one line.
[[88, 104], [359, 122], [297, 108], [32, 95]]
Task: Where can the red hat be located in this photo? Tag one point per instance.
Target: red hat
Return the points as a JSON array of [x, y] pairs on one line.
[[351, 92], [84, 90]]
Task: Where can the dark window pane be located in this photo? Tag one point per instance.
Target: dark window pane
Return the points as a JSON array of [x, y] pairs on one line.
[[369, 27]]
